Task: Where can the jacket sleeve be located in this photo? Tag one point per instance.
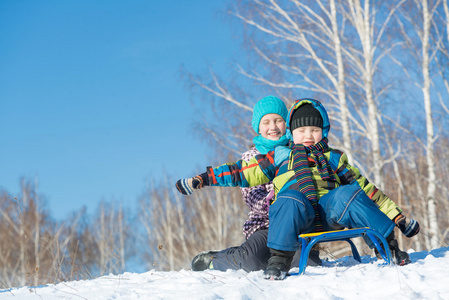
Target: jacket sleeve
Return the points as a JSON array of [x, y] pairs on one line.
[[259, 170], [348, 174]]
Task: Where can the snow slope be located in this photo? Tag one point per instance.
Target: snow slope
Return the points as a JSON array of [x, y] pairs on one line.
[[426, 278]]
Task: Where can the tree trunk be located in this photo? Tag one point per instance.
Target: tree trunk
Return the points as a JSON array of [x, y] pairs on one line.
[[341, 91], [431, 187]]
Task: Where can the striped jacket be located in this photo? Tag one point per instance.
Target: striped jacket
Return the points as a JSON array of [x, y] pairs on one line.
[[276, 166]]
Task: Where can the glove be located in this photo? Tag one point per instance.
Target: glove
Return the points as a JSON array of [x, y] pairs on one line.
[[186, 186], [409, 227]]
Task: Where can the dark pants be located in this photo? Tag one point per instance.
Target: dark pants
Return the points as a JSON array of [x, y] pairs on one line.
[[252, 255], [344, 207]]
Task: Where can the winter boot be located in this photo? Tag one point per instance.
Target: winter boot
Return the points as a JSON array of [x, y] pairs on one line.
[[203, 261], [400, 257], [314, 257], [278, 264]]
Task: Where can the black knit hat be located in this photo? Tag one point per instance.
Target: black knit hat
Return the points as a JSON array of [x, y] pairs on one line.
[[306, 115]]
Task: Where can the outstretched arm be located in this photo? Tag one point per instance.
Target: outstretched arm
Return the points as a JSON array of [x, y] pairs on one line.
[[259, 170]]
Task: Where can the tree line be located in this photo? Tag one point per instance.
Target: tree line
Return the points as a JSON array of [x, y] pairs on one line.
[[164, 233]]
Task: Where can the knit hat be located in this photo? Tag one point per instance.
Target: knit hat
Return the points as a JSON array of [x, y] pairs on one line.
[[265, 106], [306, 115]]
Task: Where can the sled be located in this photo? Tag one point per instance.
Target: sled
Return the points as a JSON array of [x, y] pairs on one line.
[[308, 240]]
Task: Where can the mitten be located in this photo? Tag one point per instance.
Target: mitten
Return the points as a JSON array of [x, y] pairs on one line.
[[409, 227], [186, 186]]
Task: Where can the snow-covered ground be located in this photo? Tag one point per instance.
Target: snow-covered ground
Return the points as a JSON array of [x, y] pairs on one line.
[[426, 278]]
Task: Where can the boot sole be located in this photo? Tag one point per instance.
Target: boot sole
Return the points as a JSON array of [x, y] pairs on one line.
[[275, 277]]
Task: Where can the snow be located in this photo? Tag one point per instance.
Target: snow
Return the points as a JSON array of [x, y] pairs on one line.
[[427, 277]]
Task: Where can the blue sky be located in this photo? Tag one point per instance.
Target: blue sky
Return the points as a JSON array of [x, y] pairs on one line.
[[91, 104]]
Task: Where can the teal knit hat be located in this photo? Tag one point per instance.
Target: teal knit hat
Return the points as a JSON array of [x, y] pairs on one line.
[[265, 106]]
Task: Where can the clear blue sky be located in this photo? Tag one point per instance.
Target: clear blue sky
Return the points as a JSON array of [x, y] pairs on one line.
[[90, 100]]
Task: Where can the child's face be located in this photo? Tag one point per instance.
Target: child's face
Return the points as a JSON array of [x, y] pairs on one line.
[[272, 127], [307, 135]]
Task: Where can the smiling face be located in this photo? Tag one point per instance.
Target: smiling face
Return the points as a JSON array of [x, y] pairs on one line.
[[307, 135], [272, 127]]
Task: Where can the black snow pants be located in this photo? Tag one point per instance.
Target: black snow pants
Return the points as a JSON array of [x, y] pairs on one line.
[[252, 255]]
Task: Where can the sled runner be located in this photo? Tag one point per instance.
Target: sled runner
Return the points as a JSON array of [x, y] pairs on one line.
[[310, 239]]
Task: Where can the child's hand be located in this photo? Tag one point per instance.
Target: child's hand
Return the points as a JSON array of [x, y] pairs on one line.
[[409, 227], [186, 186]]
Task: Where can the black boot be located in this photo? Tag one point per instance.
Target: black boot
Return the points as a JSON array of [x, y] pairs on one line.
[[400, 257], [203, 261], [278, 264], [314, 257]]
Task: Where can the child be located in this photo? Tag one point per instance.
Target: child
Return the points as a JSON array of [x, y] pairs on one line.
[[269, 122], [315, 189]]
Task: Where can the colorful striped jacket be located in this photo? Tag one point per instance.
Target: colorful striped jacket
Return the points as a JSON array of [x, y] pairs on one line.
[[276, 166]]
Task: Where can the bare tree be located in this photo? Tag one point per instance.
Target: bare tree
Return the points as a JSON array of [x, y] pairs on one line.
[[231, 135], [425, 53], [431, 188], [26, 232], [109, 233], [312, 29], [177, 227]]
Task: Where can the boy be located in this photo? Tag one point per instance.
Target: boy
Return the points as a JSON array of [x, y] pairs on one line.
[[315, 190]]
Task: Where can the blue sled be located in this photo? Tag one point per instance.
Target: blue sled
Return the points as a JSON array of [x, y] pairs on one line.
[[310, 239]]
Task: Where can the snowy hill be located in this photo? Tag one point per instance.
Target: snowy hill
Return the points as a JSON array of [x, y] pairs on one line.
[[426, 278]]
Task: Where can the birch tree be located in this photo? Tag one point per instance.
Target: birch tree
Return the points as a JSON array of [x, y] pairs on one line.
[[370, 29], [431, 188], [110, 233], [303, 40], [425, 53], [25, 239]]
